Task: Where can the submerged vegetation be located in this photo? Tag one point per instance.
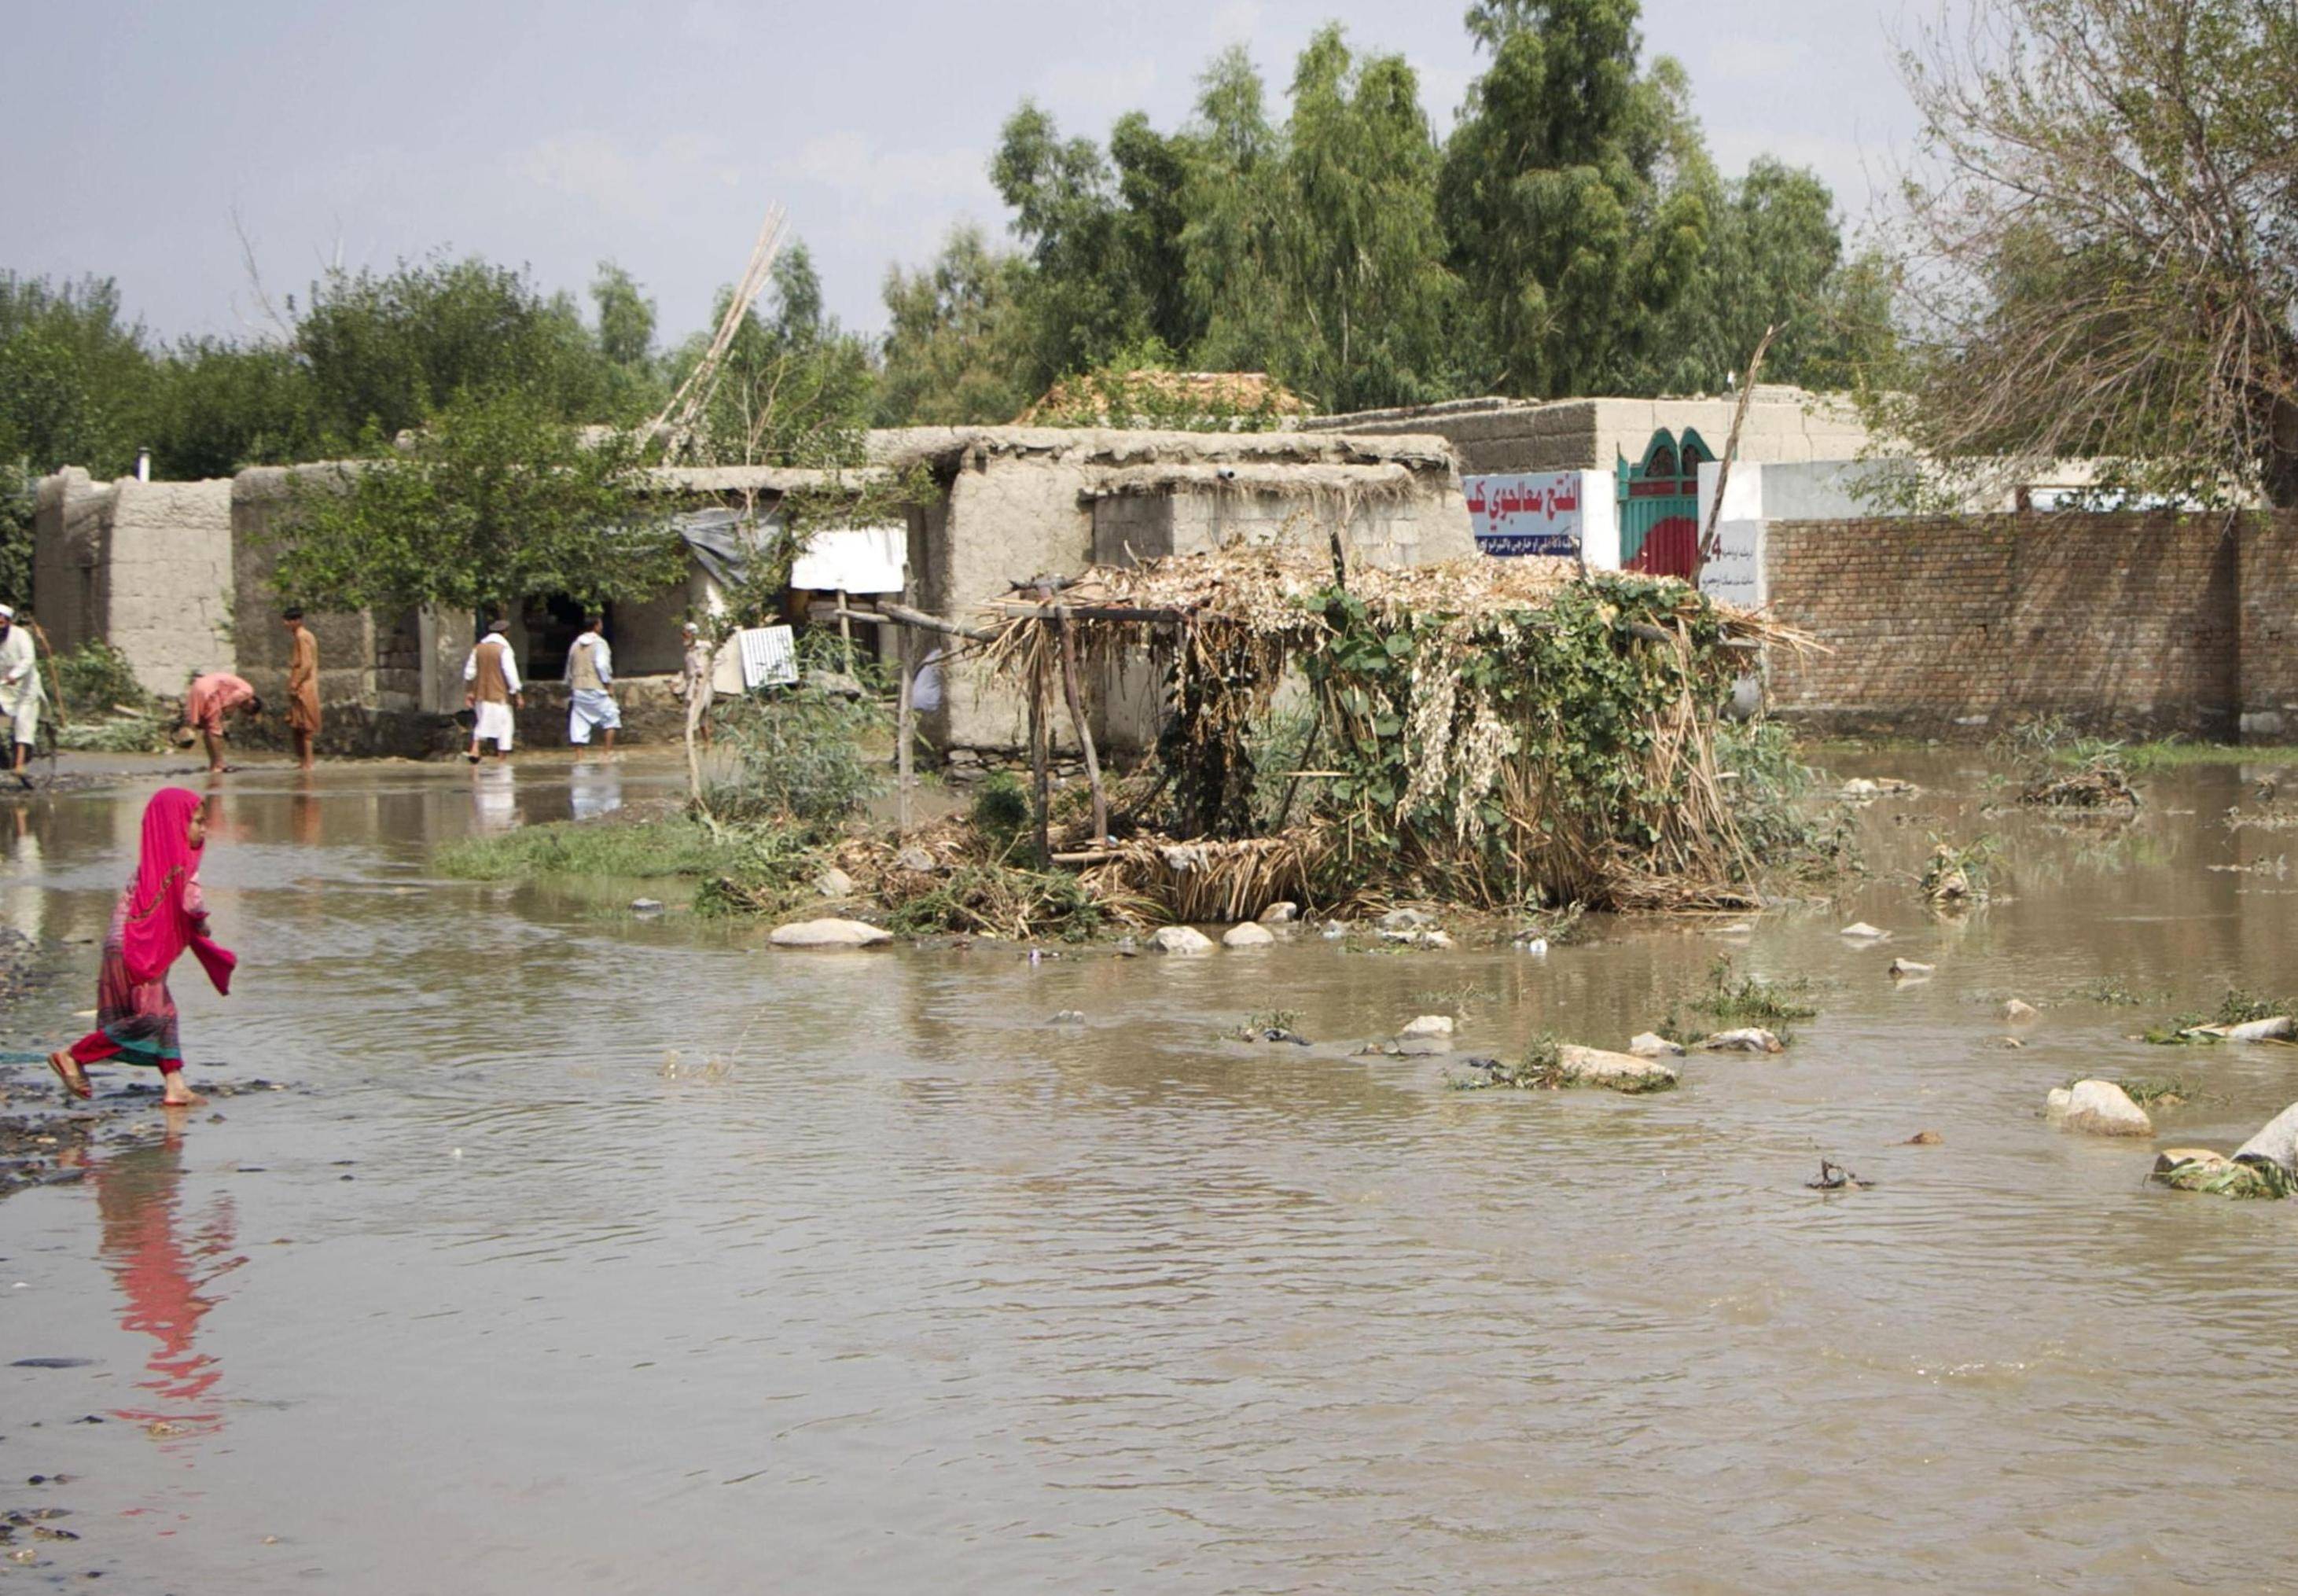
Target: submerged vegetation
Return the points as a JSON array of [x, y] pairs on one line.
[[2237, 1008], [1733, 999]]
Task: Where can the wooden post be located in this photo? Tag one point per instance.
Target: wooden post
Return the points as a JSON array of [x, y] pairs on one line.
[[846, 631], [903, 730], [1041, 784], [1075, 697]]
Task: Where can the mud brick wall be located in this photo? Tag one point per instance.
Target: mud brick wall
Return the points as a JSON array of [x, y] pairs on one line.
[[2141, 624]]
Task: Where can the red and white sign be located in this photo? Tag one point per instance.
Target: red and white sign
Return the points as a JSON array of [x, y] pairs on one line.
[[1538, 512]]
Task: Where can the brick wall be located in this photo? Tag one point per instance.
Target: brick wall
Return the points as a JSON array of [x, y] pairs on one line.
[[2142, 624]]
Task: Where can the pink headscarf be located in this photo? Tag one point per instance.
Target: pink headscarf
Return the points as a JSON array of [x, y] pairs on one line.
[[159, 924]]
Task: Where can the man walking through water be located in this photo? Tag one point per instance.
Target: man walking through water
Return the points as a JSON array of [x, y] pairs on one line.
[[303, 687], [494, 691], [206, 702], [590, 679], [21, 696]]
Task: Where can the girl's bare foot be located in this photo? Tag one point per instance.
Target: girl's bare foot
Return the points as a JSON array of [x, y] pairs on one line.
[[178, 1095], [69, 1071]]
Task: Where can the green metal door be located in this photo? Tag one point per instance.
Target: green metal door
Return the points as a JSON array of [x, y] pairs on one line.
[[1659, 504]]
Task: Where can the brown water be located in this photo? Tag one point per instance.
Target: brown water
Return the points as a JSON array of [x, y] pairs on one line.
[[919, 1292]]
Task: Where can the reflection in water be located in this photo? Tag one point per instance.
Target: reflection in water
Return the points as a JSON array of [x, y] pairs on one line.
[[165, 1277], [594, 790], [303, 813], [494, 799]]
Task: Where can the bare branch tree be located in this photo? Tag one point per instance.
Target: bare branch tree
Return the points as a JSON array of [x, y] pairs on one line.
[[2100, 256]]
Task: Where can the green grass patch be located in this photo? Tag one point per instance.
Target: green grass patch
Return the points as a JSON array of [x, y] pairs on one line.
[[1734, 1000], [652, 848]]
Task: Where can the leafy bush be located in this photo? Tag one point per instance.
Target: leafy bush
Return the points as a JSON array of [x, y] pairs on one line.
[[1000, 811], [798, 758], [97, 679]]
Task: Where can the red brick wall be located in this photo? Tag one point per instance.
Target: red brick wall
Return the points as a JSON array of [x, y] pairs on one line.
[[2151, 623]]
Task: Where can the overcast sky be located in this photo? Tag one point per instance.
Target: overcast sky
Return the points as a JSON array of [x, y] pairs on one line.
[[561, 134]]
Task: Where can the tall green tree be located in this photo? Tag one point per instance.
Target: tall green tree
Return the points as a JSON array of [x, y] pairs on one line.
[[1774, 259], [954, 347], [1566, 232], [1318, 256]]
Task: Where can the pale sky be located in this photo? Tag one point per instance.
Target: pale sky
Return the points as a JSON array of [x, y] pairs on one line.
[[559, 135]]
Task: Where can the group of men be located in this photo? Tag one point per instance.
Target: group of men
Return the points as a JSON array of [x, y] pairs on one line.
[[492, 691]]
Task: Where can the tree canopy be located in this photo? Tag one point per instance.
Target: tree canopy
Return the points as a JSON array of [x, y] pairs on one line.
[[2102, 242]]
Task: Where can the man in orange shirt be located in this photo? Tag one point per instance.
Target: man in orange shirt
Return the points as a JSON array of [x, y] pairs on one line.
[[303, 687]]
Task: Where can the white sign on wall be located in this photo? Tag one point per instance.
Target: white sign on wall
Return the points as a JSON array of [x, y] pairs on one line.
[[1537, 512]]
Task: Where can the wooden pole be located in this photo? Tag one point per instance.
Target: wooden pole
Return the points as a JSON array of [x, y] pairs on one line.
[[1705, 551], [54, 676], [903, 731], [1075, 697], [846, 631], [1040, 777]]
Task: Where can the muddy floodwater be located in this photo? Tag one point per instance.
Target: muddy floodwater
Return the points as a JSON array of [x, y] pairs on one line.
[[588, 1252]]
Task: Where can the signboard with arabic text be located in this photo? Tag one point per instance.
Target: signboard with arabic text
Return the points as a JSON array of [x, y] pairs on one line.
[[1538, 512]]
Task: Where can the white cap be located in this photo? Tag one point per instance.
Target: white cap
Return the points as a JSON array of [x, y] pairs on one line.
[[8, 611]]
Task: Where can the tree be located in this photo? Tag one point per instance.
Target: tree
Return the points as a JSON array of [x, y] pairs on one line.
[[494, 502], [952, 350], [384, 351], [1565, 231], [217, 407], [74, 379], [1318, 257], [2101, 244], [1774, 257], [794, 388], [1081, 304]]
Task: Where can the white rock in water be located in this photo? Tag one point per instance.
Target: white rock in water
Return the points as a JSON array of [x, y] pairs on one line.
[[834, 883], [1180, 939], [1427, 1028], [1617, 1071], [830, 933], [1334, 931], [1860, 787], [1749, 1039], [639, 905], [2056, 1103], [1906, 969], [2276, 1143], [2102, 1108], [2260, 1031], [1247, 935], [1650, 1044], [1434, 940], [1280, 914], [2016, 1011], [1860, 931], [1537, 946], [1406, 919]]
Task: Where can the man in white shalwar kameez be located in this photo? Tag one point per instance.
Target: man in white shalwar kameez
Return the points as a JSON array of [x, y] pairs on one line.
[[21, 696], [590, 684], [494, 691]]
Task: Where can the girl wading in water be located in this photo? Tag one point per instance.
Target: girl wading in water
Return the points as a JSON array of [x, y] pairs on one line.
[[159, 915]]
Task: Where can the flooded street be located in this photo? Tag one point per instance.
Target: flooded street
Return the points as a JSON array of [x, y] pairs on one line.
[[593, 1253]]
